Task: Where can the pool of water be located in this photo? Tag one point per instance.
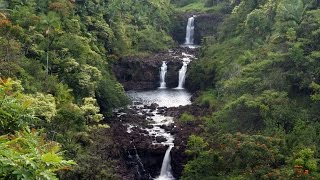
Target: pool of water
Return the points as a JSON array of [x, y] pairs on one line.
[[163, 97]]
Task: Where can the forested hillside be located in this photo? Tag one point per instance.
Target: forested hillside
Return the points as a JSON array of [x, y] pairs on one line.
[[56, 80], [260, 76], [255, 83]]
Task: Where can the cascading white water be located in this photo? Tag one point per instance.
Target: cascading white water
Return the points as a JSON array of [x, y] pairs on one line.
[[163, 73], [182, 75], [141, 172], [156, 118], [166, 171], [190, 31]]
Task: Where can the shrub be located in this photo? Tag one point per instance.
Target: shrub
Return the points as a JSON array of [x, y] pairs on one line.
[[185, 117], [26, 155]]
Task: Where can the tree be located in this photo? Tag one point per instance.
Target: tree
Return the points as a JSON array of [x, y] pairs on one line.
[[50, 24]]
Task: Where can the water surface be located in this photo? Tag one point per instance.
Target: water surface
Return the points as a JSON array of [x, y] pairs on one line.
[[163, 97]]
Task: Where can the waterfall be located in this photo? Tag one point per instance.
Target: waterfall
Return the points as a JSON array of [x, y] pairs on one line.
[[141, 172], [163, 75], [190, 31], [182, 75], [166, 173]]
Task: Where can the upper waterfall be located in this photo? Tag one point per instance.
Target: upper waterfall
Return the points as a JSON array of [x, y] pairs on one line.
[[190, 32]]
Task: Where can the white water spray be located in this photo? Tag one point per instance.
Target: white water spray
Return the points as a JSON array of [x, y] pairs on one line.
[[163, 73], [166, 171], [190, 32], [182, 75]]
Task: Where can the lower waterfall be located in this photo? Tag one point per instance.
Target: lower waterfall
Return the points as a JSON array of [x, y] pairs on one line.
[[166, 171]]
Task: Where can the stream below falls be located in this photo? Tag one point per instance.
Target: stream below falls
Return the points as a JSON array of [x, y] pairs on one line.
[[149, 126], [152, 104]]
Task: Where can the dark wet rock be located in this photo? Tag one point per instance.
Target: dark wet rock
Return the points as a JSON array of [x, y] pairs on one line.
[[161, 111], [167, 128], [139, 141], [154, 106], [161, 139], [149, 114], [142, 73], [174, 131], [205, 25], [195, 110], [151, 155], [121, 111], [149, 126], [137, 103], [179, 158], [142, 131]]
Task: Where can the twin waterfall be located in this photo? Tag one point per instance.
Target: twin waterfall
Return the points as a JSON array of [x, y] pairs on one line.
[[186, 60], [182, 74]]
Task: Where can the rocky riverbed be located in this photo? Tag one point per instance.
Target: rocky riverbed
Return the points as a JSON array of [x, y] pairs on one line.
[[145, 129]]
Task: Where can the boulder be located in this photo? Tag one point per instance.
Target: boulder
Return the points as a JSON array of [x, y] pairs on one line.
[[161, 139]]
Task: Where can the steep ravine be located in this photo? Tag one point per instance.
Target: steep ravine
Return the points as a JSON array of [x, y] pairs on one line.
[[145, 130], [149, 131]]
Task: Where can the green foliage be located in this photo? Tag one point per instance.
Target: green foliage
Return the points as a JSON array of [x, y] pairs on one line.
[[69, 118], [44, 106], [260, 73], [185, 118], [109, 97], [15, 108], [152, 40], [207, 166], [236, 156], [183, 2], [60, 51], [63, 95], [135, 23], [202, 5], [27, 155], [316, 89], [196, 145], [207, 99], [91, 110], [305, 158], [254, 113]]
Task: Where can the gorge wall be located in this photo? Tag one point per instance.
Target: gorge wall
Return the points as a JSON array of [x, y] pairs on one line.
[[143, 73], [205, 25]]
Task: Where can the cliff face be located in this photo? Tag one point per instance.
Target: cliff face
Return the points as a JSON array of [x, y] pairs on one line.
[[205, 25], [143, 73], [135, 74]]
